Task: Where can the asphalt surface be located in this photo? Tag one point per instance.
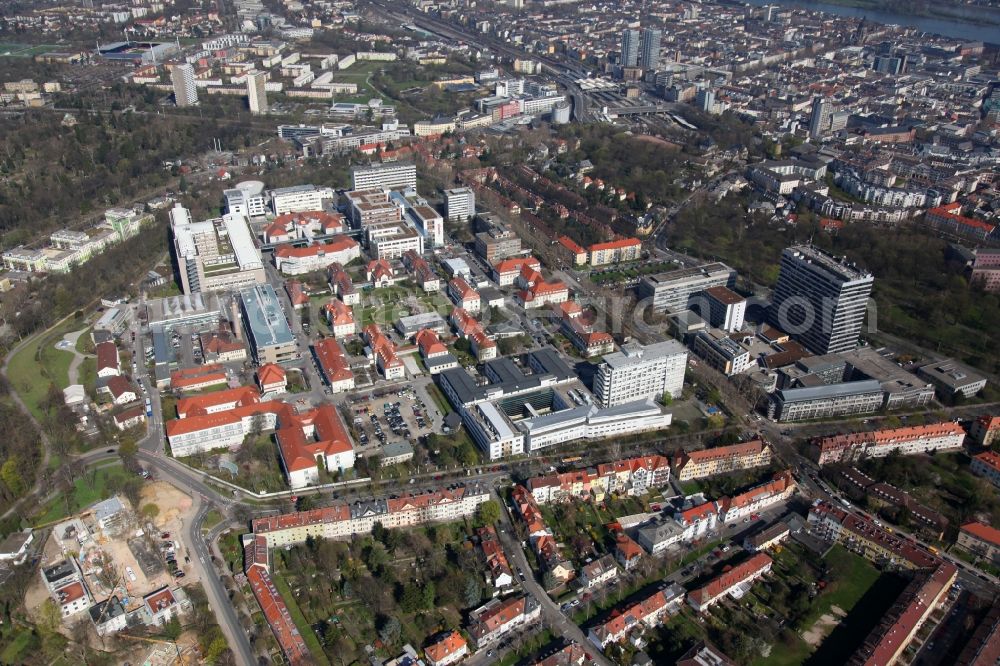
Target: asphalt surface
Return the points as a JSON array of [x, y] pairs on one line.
[[554, 617]]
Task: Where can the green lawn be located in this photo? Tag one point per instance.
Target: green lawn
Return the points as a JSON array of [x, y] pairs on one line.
[[88, 489], [790, 651], [15, 651], [442, 403], [40, 364], [212, 518], [312, 641], [690, 487]]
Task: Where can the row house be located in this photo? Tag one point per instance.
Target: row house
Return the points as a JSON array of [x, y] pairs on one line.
[[862, 536], [342, 521], [851, 447], [637, 617], [734, 582], [722, 459], [987, 465], [540, 536], [758, 498], [599, 572], [500, 617], [500, 575], [446, 650], [634, 476], [257, 567]]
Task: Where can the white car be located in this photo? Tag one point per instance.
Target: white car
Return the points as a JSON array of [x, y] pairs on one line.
[[131, 574]]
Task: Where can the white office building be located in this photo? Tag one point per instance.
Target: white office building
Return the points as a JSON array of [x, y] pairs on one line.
[[391, 176], [637, 372], [459, 204], [215, 255], [247, 199], [300, 198]]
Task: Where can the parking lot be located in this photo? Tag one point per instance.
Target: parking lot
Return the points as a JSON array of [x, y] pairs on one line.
[[395, 417]]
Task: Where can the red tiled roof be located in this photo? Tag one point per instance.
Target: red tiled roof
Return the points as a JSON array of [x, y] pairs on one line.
[[271, 373], [751, 448], [119, 386], [329, 436], [429, 343], [516, 264], [699, 512], [277, 616], [781, 482], [107, 356], [720, 584], [339, 313], [332, 361], [448, 645], [888, 436], [196, 405], [381, 346], [989, 458], [571, 245], [332, 246], [615, 244], [205, 421], [984, 532]]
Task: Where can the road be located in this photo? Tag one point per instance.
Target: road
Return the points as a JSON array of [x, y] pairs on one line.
[[554, 617]]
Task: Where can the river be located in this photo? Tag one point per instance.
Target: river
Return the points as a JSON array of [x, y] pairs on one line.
[[941, 26]]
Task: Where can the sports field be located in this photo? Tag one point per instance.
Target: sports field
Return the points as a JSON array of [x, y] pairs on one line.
[[11, 50]]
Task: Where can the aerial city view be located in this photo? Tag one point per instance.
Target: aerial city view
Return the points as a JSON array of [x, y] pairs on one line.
[[515, 333]]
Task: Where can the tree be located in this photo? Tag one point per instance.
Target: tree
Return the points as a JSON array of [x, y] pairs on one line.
[[389, 630], [150, 511], [49, 616], [127, 450], [488, 513], [473, 592], [11, 476], [173, 628]]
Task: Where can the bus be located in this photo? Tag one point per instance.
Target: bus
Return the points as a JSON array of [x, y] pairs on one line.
[[149, 407]]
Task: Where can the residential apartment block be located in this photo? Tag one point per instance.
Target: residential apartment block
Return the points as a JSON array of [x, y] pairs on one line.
[[645, 614], [634, 476], [499, 617], [613, 252], [980, 540], [722, 459], [460, 204], [987, 465], [735, 582], [341, 521], [758, 498], [851, 447]]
